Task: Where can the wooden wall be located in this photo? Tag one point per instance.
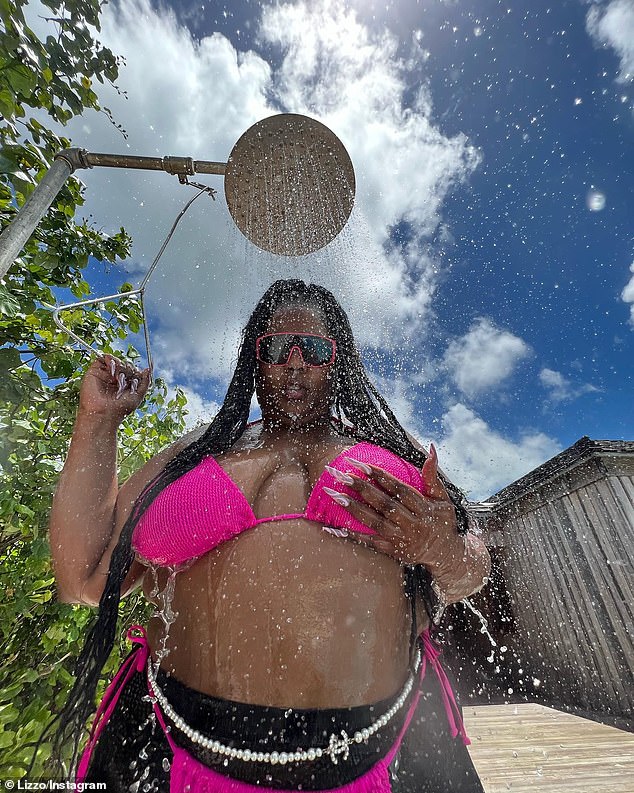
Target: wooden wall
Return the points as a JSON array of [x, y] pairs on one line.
[[567, 563]]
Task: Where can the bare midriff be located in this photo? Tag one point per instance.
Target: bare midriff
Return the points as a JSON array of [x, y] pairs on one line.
[[287, 614], [291, 616]]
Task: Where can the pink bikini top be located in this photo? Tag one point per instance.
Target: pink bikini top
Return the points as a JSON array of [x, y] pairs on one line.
[[204, 507]]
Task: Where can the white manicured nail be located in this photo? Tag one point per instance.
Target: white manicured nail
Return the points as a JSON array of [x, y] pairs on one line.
[[339, 476], [338, 497], [122, 385], [361, 466]]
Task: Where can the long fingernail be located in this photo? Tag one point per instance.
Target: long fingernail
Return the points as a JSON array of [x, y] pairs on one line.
[[339, 476], [134, 384], [336, 532], [338, 497], [113, 367], [122, 384], [361, 466]]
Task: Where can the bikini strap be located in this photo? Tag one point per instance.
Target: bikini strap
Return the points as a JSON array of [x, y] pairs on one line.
[[135, 662], [431, 654]]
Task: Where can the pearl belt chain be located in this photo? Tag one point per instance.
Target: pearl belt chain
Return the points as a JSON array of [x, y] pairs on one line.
[[337, 744]]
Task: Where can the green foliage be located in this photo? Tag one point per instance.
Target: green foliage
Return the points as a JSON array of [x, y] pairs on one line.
[[39, 375], [39, 636]]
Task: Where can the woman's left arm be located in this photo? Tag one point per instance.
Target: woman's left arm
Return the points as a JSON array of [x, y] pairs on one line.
[[421, 528]]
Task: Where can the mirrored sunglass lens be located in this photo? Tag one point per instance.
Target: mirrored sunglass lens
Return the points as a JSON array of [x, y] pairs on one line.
[[275, 349], [316, 351]]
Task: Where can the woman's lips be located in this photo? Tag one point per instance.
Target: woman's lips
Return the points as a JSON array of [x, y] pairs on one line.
[[294, 392]]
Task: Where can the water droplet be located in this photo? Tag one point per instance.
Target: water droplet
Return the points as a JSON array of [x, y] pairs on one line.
[[595, 200]]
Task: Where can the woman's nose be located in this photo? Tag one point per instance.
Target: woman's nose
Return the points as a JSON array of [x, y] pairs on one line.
[[295, 360]]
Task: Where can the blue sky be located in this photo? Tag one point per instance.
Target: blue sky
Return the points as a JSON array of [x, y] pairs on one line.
[[488, 267]]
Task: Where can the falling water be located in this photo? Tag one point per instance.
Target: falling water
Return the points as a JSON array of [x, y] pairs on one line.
[[163, 597]]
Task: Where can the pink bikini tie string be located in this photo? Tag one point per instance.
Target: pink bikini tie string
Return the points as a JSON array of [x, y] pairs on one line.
[[135, 662], [432, 654]]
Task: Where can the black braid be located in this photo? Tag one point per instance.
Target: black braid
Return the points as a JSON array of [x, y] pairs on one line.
[[360, 412]]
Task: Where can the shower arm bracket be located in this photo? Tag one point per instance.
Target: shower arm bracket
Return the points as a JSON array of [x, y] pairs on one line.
[[66, 162]]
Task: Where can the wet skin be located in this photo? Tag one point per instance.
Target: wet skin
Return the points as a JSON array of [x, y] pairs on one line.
[[287, 614]]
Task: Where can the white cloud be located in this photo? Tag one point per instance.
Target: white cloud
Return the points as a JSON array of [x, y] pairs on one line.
[[195, 98], [480, 460], [199, 410], [561, 389], [483, 357], [613, 25], [627, 295]]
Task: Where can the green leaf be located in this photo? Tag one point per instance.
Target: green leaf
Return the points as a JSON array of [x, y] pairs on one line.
[[9, 359], [21, 79], [8, 304], [7, 103]]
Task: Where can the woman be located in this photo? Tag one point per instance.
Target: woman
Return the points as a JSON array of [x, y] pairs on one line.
[[288, 560]]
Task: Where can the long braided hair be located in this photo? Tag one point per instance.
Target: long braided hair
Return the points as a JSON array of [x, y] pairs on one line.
[[359, 411]]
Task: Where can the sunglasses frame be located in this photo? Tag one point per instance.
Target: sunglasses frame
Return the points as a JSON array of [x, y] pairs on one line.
[[296, 347]]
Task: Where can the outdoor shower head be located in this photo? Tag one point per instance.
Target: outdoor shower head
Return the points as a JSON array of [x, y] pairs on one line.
[[289, 184]]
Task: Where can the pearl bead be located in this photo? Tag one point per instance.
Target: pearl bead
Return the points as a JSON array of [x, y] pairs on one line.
[[358, 737], [318, 752], [274, 758], [311, 754], [283, 758]]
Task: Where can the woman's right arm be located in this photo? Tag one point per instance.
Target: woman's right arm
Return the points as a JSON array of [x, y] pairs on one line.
[[89, 510]]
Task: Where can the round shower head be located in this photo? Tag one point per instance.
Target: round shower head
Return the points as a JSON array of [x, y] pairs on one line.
[[289, 184]]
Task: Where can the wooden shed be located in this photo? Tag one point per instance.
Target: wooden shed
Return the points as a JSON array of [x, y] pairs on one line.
[[561, 597]]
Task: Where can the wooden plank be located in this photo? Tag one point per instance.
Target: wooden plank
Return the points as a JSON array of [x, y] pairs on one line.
[[585, 578], [548, 612], [617, 614], [529, 748], [572, 601], [595, 564], [625, 485], [535, 603], [607, 534], [615, 592]]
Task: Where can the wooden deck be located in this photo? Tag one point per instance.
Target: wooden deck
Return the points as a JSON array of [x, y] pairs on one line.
[[531, 748]]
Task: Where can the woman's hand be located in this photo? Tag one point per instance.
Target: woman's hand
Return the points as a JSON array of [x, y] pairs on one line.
[[411, 527], [417, 528], [112, 389]]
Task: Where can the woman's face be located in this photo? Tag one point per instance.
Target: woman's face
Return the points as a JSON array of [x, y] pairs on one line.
[[294, 394]]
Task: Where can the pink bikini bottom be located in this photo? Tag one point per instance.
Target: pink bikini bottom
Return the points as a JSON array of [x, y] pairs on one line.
[[188, 775]]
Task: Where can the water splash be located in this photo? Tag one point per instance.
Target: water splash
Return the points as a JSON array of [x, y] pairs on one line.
[[164, 598], [485, 625]]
